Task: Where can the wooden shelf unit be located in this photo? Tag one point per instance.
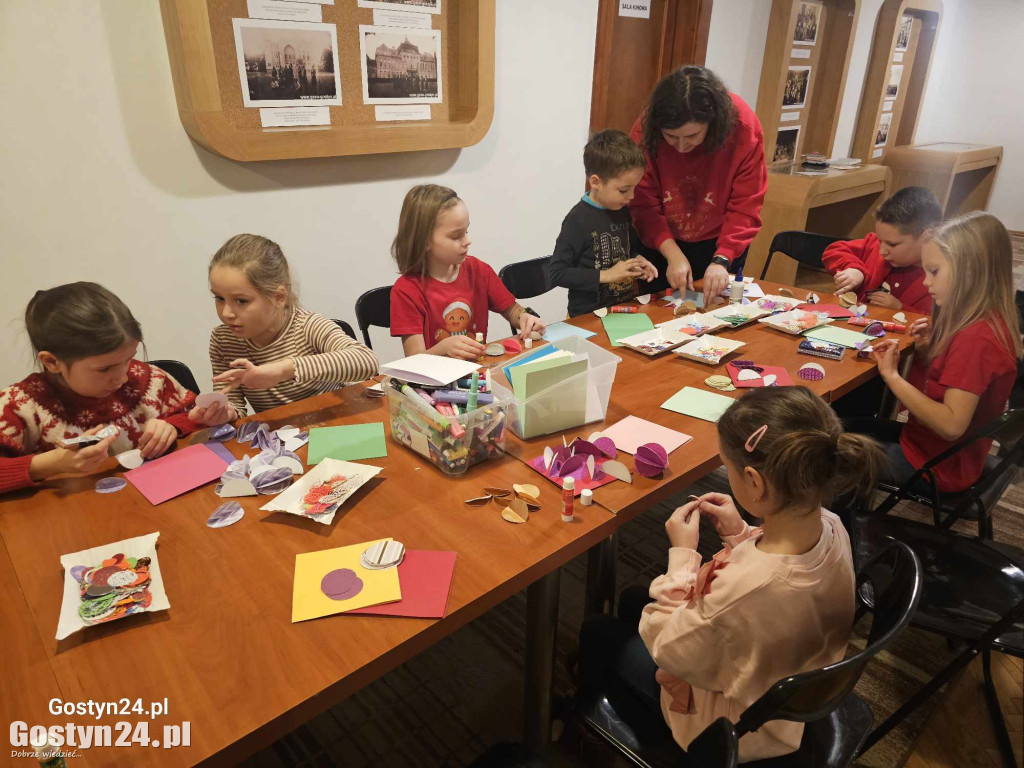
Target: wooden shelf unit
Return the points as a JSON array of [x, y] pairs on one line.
[[916, 60], [201, 46], [960, 175]]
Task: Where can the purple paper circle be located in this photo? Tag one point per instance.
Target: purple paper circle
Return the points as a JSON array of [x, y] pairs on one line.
[[341, 584], [607, 446], [110, 484], [222, 432], [78, 571], [226, 514], [810, 374]]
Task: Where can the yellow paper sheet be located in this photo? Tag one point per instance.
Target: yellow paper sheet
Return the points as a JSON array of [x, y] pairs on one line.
[[309, 601]]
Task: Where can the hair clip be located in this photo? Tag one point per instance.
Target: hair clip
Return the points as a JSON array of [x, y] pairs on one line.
[[755, 438]]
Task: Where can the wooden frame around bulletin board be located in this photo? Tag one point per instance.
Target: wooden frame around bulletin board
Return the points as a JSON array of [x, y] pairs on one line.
[[916, 61], [818, 118], [201, 46]]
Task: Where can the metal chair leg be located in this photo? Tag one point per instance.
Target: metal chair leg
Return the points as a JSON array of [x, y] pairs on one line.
[[541, 627], [995, 713]]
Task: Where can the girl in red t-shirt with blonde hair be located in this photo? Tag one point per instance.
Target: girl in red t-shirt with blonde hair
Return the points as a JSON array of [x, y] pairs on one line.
[[966, 352], [442, 298]]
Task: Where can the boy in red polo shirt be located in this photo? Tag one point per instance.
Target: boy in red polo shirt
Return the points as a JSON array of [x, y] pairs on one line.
[[891, 255]]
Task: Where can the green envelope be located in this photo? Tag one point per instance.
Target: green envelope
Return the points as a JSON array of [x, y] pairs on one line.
[[843, 336], [618, 325], [347, 443], [691, 401]]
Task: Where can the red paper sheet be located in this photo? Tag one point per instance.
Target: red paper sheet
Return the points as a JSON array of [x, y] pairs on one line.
[[783, 379], [834, 310], [176, 473], [425, 577]]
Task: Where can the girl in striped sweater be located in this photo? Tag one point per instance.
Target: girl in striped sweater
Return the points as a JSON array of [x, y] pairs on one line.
[[269, 350]]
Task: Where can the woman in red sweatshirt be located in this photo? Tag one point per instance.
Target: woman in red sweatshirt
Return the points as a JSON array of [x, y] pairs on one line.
[[699, 202]]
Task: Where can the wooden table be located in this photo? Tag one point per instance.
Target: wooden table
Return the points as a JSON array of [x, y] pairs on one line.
[[226, 655]]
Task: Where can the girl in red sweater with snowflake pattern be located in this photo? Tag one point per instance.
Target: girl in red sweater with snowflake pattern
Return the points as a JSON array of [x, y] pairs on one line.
[[86, 339]]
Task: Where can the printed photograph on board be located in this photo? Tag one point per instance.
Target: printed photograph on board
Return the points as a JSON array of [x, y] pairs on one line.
[[808, 16], [903, 35], [424, 6], [895, 75], [287, 64], [795, 93], [882, 134], [785, 145], [400, 66]]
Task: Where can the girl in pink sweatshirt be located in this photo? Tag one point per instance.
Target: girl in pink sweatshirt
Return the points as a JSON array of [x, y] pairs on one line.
[[776, 601]]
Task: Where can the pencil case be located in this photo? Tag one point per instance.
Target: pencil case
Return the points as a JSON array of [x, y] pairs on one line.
[[824, 349]]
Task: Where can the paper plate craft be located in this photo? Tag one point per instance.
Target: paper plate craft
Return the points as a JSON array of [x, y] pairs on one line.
[[775, 302], [208, 399], [228, 513], [693, 325], [848, 299], [110, 582], [745, 374], [656, 341], [832, 310], [796, 321], [723, 383], [899, 317], [495, 349], [735, 315], [110, 484], [335, 580], [811, 372], [383, 554], [516, 512], [320, 492], [708, 349], [650, 460]]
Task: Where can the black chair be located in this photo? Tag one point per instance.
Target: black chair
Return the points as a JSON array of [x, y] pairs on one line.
[[978, 500], [805, 247], [181, 373], [373, 308], [346, 328], [526, 279], [973, 594], [836, 720], [1017, 396]]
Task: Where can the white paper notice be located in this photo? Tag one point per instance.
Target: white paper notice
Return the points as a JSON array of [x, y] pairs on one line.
[[897, 57], [887, 105], [401, 19], [284, 10], [292, 117], [800, 53], [877, 153], [402, 112], [638, 9], [786, 117]]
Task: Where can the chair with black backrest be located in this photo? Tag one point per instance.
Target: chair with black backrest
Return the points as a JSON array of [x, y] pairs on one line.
[[836, 720], [373, 308], [804, 247], [526, 279], [181, 373], [1017, 396], [977, 501], [346, 328], [973, 594]]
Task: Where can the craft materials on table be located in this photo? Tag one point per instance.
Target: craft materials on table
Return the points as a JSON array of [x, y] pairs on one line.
[[884, 324], [110, 582], [347, 443], [832, 310], [693, 325], [708, 349], [773, 302], [322, 490], [110, 484], [632, 432], [843, 336], [228, 513], [425, 578], [675, 299], [736, 315], [618, 326], [177, 472], [516, 509], [650, 460], [568, 498], [820, 348], [83, 441], [591, 463], [550, 393], [796, 321], [721, 383], [450, 440], [811, 372], [335, 581], [656, 341], [557, 331], [691, 401], [431, 370], [746, 373]]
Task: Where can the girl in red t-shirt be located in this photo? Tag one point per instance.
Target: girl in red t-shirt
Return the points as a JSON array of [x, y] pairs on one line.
[[966, 353], [441, 300]]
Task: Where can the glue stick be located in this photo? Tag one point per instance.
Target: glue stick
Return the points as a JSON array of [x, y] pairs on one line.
[[736, 288], [568, 491]]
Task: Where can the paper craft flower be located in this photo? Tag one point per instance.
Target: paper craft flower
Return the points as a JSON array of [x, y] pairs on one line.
[[323, 496], [114, 589]]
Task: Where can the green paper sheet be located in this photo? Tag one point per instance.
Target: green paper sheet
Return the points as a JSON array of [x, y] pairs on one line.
[[691, 401], [517, 376], [618, 325], [837, 335], [347, 443]]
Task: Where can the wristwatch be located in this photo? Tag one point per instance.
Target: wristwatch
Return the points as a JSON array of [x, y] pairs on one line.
[[721, 261]]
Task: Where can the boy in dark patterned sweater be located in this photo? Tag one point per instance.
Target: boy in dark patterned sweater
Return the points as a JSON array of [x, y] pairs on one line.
[[596, 254]]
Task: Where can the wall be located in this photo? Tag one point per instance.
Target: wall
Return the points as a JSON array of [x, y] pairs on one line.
[[102, 183]]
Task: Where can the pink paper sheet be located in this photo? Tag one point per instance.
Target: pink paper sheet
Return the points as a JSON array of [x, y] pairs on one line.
[[176, 473], [630, 433], [425, 577]]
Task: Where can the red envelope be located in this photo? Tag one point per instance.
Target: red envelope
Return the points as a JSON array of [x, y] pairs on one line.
[[834, 310], [783, 379]]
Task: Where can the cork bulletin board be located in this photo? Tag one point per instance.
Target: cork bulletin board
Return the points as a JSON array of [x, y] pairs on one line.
[[208, 89]]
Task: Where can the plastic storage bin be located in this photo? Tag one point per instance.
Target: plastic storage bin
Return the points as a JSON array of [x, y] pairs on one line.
[[571, 403], [451, 444]]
